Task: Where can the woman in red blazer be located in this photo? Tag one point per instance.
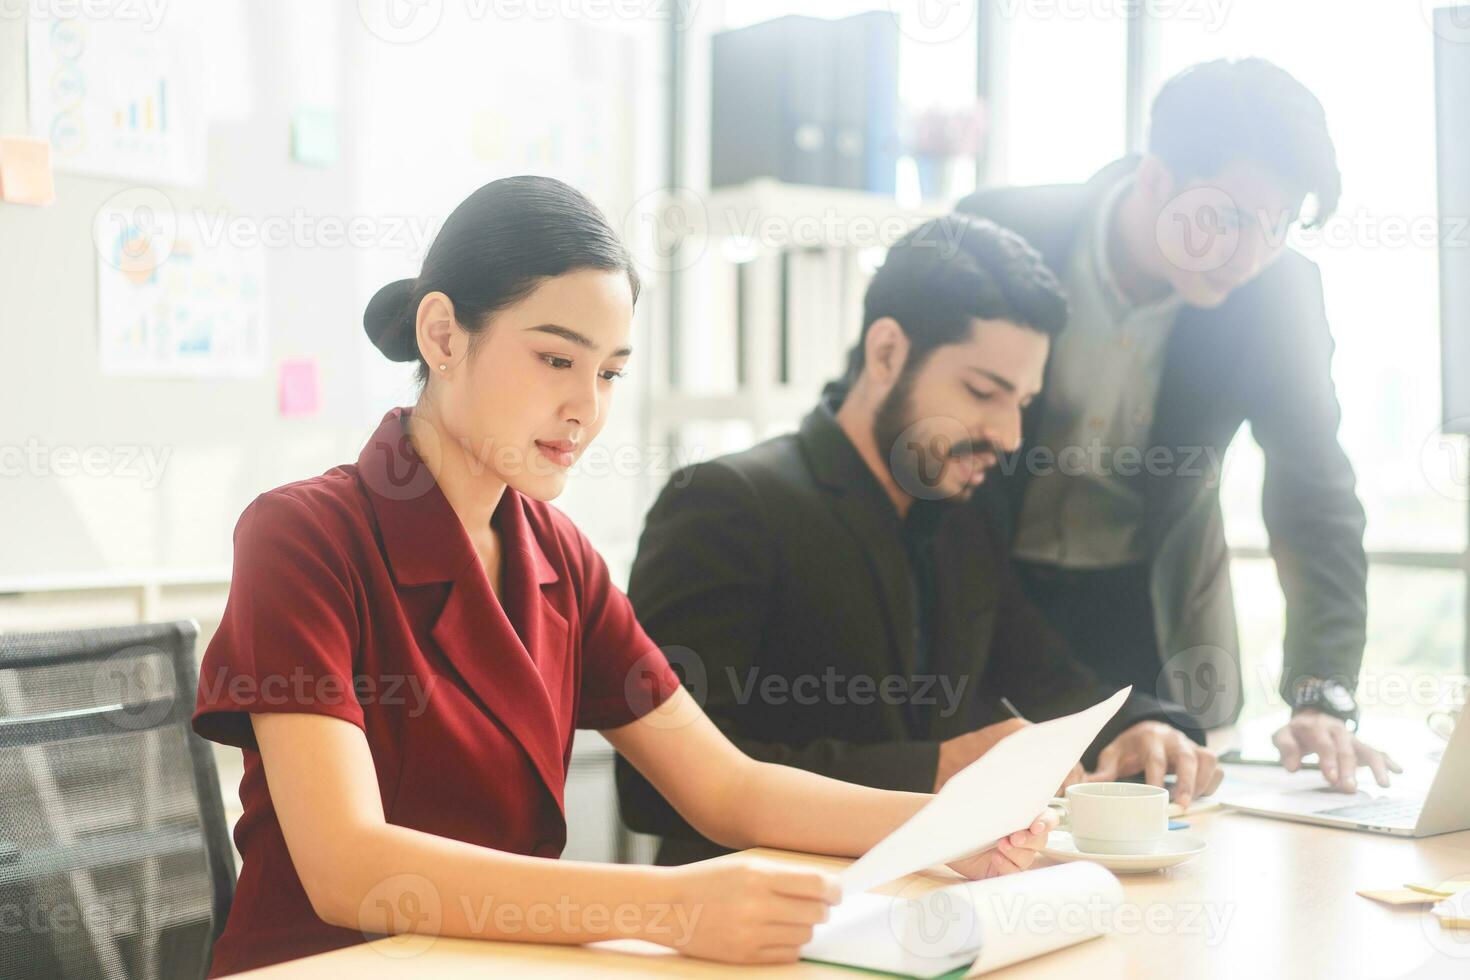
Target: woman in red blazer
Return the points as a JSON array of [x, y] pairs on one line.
[[411, 640]]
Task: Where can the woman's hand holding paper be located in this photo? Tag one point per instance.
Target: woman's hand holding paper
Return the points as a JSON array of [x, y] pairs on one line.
[[1012, 853]]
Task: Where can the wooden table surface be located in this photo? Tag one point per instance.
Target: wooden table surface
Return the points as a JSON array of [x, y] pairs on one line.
[[1268, 899]]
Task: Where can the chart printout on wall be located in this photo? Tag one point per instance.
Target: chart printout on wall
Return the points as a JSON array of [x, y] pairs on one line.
[[118, 97]]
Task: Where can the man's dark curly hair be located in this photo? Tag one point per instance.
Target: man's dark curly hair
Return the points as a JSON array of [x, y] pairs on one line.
[[950, 271], [1231, 109]]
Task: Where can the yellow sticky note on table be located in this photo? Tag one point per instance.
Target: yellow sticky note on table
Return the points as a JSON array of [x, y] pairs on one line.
[[1398, 896], [1443, 889], [1454, 912], [25, 171]]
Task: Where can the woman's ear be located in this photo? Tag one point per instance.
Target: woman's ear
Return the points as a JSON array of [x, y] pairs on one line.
[[436, 329], [885, 351]]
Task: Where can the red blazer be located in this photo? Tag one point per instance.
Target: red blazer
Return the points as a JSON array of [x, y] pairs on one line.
[[357, 594]]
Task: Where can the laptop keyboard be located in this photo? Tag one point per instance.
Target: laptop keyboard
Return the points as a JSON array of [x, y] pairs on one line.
[[1379, 811]]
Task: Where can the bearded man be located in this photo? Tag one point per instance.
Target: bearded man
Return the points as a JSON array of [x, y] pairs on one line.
[[826, 594]]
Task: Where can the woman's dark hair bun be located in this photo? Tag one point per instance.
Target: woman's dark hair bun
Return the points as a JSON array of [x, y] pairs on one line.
[[389, 322], [495, 247]]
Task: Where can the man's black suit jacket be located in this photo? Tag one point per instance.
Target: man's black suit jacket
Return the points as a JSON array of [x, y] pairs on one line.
[[786, 562]]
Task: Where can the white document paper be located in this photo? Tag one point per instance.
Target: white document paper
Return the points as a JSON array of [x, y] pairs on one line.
[[999, 793]]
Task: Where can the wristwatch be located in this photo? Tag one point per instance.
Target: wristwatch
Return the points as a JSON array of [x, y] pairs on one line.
[[1328, 696]]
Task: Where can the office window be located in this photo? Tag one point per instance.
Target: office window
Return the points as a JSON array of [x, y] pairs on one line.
[[1416, 630], [1059, 91]]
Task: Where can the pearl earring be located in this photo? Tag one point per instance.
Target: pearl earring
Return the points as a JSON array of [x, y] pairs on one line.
[[444, 367]]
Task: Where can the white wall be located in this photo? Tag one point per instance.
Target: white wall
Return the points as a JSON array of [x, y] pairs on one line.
[[422, 125]]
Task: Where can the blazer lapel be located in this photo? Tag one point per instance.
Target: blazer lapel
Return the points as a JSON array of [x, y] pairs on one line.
[[543, 630], [426, 544], [478, 640], [966, 600], [1202, 351], [860, 503]]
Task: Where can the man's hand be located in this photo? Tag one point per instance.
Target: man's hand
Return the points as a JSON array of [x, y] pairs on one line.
[[1339, 752], [1013, 852], [1077, 775], [958, 752], [1154, 748]]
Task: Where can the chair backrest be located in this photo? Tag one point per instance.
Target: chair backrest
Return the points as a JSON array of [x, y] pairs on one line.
[[115, 857]]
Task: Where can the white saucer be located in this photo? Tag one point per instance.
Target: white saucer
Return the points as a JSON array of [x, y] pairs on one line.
[[1175, 848]]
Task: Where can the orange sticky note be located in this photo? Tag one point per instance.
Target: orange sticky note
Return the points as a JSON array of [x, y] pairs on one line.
[[25, 171]]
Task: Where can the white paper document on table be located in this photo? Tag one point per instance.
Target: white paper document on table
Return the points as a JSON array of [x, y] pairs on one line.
[[1000, 792]]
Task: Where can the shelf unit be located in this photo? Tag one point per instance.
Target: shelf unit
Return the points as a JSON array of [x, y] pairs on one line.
[[772, 275]]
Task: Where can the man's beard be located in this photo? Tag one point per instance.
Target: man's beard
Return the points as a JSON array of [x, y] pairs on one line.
[[915, 460]]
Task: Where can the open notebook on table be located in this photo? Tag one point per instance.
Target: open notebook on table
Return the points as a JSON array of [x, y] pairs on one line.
[[974, 924]]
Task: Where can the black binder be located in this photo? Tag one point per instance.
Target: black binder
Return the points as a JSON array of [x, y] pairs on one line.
[[806, 101], [865, 145]]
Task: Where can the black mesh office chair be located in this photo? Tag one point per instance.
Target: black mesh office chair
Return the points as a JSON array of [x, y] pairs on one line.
[[115, 857]]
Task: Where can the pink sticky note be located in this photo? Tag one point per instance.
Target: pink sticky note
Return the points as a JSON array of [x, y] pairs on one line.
[[25, 171], [298, 392]]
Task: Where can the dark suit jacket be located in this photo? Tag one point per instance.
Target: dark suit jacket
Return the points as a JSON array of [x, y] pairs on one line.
[[785, 562], [1263, 356]]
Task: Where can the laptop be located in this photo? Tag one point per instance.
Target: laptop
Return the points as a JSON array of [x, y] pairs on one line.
[[1445, 809]]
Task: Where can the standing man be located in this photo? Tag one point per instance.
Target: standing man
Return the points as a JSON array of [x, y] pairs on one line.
[[1190, 316]]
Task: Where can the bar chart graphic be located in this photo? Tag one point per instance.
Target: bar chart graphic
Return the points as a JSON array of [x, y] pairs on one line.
[[117, 100]]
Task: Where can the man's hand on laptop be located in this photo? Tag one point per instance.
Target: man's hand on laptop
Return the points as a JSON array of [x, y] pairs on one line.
[[1339, 751], [1155, 749]]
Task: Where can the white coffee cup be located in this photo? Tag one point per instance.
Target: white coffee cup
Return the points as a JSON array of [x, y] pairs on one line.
[[1115, 818]]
